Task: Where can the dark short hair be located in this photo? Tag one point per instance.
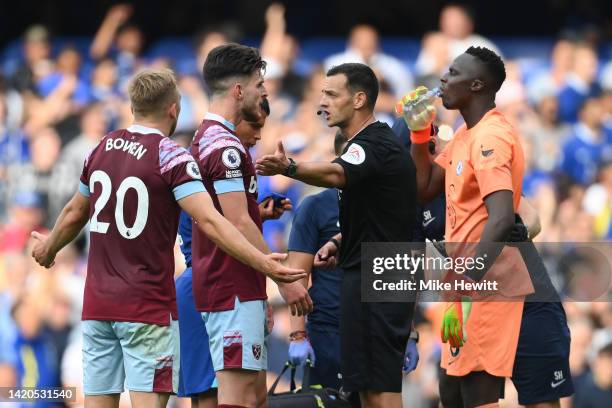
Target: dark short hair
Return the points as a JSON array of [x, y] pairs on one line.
[[359, 78], [229, 61], [339, 141], [493, 64]]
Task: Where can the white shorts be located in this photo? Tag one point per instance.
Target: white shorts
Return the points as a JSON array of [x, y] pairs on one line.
[[238, 337], [143, 356]]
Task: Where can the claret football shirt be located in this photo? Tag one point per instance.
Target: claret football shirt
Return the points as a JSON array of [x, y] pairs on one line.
[[134, 178]]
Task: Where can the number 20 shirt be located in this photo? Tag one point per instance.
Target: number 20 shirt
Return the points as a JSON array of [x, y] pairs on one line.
[[134, 178]]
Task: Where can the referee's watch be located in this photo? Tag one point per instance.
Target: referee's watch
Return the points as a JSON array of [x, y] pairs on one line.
[[414, 335], [291, 169]]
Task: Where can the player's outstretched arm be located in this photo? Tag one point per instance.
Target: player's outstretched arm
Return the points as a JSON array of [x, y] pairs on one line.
[[430, 176], [201, 209], [321, 174], [70, 222]]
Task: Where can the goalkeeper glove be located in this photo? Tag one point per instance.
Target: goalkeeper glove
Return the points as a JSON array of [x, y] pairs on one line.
[[455, 321]]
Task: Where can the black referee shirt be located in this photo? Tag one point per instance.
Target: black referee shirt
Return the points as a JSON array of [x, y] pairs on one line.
[[378, 202]]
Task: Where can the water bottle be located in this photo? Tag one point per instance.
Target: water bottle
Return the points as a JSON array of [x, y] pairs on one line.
[[418, 112]]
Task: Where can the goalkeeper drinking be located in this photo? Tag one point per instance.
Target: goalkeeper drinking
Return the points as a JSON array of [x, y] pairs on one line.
[[481, 172]]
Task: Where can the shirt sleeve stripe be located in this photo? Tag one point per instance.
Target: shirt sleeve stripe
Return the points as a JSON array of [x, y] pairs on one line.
[[83, 189], [187, 189], [185, 157], [228, 186], [167, 155]]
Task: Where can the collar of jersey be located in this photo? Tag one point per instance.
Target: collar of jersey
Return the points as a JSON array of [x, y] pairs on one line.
[[144, 130], [220, 119]]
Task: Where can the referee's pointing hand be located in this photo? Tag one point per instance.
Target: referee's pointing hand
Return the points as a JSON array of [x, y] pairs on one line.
[[272, 164]]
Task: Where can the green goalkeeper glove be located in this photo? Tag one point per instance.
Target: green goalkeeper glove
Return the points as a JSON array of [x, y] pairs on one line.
[[455, 321]]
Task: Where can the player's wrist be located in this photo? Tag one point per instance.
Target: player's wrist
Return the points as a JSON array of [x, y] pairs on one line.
[[298, 335], [290, 167], [335, 242], [421, 136]]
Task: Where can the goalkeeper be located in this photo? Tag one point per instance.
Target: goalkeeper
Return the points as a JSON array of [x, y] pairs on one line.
[[481, 172]]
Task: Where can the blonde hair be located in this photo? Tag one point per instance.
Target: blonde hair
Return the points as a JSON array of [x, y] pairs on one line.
[[152, 90]]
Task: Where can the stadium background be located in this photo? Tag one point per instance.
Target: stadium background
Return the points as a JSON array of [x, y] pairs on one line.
[[63, 71]]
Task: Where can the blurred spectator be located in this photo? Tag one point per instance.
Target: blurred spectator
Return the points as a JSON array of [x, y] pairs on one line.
[[68, 64], [14, 149], [37, 63], [589, 146], [67, 171], [205, 42], [363, 46], [37, 360], [596, 390], [457, 25], [25, 215], [280, 50], [511, 98], [546, 134], [35, 176], [433, 59], [580, 83], [553, 79], [598, 202], [104, 81], [127, 39]]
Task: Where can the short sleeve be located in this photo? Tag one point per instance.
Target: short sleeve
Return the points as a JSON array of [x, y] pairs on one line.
[[304, 236], [179, 170], [359, 162], [444, 156], [491, 157], [84, 179], [225, 168]]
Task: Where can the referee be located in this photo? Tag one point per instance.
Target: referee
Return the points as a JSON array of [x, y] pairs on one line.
[[376, 180]]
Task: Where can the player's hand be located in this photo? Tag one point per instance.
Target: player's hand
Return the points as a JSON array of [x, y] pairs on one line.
[[276, 271], [40, 251], [455, 321], [272, 164], [418, 116], [269, 211], [519, 232], [297, 297], [326, 256], [269, 317], [300, 351], [411, 356]]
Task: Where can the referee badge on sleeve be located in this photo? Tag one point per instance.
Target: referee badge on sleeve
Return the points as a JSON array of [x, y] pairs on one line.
[[354, 154]]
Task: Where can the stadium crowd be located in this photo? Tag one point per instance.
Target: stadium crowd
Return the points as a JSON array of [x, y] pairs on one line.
[[58, 99]]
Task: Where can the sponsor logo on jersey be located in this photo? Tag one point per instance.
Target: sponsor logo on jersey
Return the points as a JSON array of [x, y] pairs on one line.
[[485, 153], [233, 173], [460, 167], [193, 170], [231, 158]]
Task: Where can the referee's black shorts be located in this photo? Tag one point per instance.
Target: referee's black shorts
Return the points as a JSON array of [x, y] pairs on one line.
[[373, 339]]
